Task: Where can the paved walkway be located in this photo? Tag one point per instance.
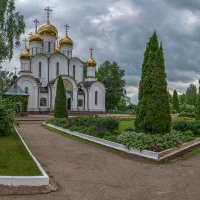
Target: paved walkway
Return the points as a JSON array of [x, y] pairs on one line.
[[90, 172]]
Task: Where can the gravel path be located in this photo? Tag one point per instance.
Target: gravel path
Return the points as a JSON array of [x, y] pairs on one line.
[[90, 172]]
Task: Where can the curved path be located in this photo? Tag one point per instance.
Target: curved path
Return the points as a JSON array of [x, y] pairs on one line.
[[90, 172]]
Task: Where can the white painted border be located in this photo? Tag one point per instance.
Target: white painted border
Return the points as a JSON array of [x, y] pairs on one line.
[[114, 145], [145, 153], [26, 180]]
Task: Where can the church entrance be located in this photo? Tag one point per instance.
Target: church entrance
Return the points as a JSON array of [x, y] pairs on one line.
[[69, 104]]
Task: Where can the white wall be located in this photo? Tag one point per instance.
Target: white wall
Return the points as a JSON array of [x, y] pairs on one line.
[[67, 51], [52, 41], [35, 48], [32, 91], [78, 69], [35, 68], [63, 65], [99, 87]]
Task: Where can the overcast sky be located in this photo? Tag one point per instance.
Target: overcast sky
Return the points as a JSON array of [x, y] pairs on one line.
[[118, 30]]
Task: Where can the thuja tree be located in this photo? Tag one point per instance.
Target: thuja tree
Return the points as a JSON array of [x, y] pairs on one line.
[[176, 101], [11, 27], [153, 113], [197, 110], [60, 108]]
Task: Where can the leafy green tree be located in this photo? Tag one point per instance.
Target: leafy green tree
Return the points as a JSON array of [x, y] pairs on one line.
[[11, 27], [176, 101], [5, 80], [191, 95], [113, 78], [153, 112], [182, 99], [197, 109], [60, 108]]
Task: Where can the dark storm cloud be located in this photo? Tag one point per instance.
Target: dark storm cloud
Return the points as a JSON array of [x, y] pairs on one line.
[[118, 30]]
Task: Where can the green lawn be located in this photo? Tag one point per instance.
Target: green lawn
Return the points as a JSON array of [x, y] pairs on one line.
[[124, 124], [14, 159]]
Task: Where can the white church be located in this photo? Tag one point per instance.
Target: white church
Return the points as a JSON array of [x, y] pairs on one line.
[[44, 59]]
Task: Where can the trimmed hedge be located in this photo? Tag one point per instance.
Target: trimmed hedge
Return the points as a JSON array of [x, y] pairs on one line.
[[109, 123], [7, 117]]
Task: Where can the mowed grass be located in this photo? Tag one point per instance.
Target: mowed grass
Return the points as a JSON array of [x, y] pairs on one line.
[[14, 159], [124, 124]]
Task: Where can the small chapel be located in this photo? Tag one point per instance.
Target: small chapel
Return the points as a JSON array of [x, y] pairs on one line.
[[44, 58]]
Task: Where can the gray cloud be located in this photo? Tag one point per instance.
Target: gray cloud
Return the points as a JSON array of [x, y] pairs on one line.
[[119, 30]]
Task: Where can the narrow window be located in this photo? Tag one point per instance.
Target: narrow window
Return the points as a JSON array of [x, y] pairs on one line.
[[36, 50], [57, 69], [96, 97], [74, 71], [40, 69], [26, 90], [49, 47], [43, 102]]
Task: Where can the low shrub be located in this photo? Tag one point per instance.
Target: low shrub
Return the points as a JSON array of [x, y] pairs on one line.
[[142, 141], [61, 122], [184, 126], [181, 126]]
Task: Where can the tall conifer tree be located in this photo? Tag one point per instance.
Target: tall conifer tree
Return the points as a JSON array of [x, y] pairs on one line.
[[153, 113], [60, 108], [175, 101]]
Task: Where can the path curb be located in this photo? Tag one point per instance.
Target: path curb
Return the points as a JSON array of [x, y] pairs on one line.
[[26, 180]]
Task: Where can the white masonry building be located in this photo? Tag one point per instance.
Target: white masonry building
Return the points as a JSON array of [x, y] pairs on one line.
[[44, 59]]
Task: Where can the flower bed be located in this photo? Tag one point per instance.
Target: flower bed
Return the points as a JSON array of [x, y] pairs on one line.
[[108, 129]]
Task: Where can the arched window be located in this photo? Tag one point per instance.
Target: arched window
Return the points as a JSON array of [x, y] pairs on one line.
[[26, 90], [74, 73], [57, 69], [80, 102], [43, 101], [96, 98], [40, 69], [49, 47]]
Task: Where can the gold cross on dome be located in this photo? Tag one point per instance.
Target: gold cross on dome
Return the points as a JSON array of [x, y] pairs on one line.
[[48, 10], [25, 41], [91, 51], [36, 24], [66, 28]]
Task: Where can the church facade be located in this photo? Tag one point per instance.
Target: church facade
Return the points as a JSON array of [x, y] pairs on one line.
[[44, 59]]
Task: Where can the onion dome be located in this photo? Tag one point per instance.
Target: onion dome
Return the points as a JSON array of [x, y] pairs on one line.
[[91, 62], [35, 38], [25, 55], [66, 40], [48, 29]]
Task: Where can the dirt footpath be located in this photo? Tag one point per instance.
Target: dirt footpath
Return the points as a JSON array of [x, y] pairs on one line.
[[90, 172]]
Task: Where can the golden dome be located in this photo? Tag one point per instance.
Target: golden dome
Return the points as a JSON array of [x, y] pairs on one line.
[[35, 38], [48, 29], [66, 41], [25, 54], [91, 62]]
